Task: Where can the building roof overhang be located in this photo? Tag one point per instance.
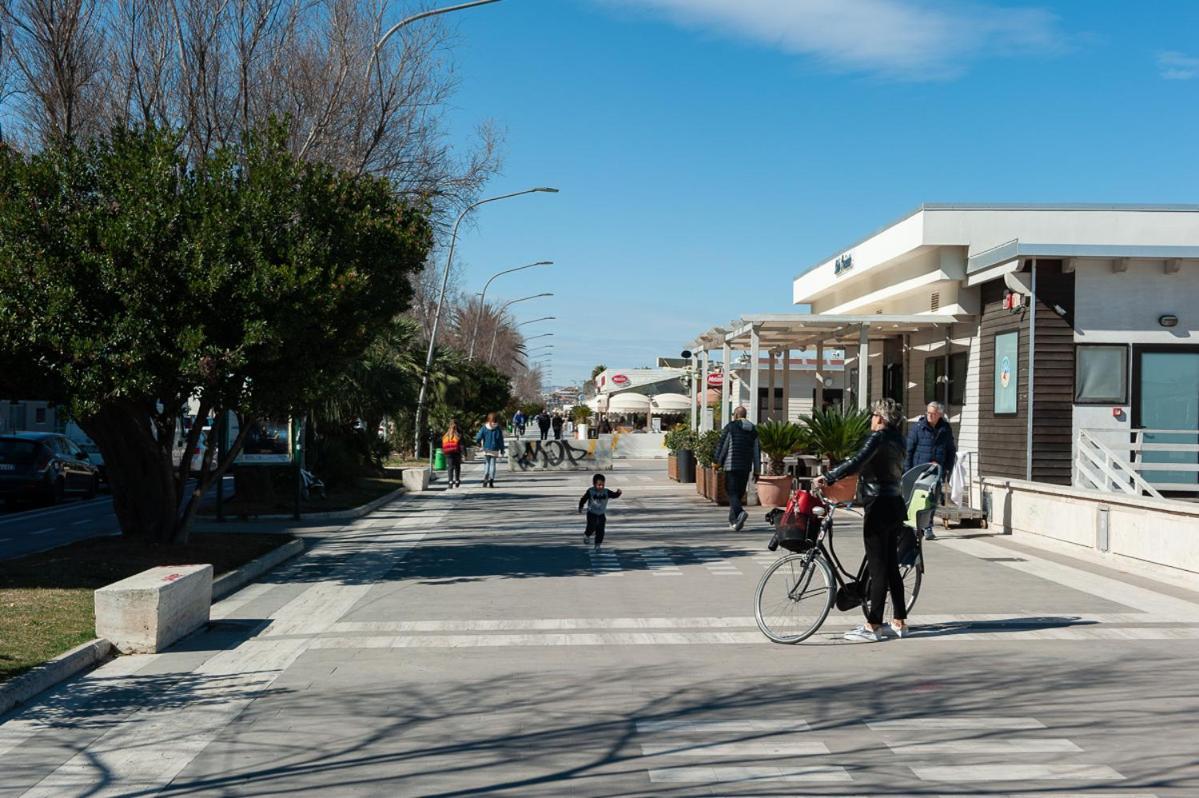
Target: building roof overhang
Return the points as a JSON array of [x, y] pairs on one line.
[[1016, 249], [798, 330]]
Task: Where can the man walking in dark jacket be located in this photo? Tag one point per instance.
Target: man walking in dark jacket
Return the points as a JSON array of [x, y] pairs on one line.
[[740, 455], [543, 424], [930, 440]]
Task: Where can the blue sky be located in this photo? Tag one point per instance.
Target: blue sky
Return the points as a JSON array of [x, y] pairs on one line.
[[709, 150]]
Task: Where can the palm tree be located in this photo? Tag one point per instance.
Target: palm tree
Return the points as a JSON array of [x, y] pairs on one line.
[[836, 434]]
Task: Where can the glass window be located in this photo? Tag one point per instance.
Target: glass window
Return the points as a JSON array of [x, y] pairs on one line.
[[957, 378], [39, 415], [1101, 374], [934, 384]]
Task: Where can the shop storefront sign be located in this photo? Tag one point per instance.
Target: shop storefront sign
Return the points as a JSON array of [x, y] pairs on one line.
[[843, 264], [1007, 351]]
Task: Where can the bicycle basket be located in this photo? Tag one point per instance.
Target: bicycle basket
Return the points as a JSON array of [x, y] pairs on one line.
[[798, 532]]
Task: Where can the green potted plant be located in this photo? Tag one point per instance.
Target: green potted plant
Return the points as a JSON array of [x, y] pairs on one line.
[[680, 464], [778, 439], [834, 434], [580, 414], [709, 486]]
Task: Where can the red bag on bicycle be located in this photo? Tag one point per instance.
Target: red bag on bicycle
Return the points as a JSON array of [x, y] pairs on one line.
[[799, 527]]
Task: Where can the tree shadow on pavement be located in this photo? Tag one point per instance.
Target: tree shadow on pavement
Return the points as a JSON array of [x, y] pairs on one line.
[[552, 733]]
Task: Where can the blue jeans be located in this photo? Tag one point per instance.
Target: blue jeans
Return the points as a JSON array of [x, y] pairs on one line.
[[489, 464]]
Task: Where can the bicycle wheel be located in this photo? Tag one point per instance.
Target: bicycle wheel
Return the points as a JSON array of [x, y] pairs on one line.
[[912, 576], [794, 597]]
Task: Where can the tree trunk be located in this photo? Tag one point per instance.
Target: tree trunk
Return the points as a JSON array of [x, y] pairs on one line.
[[140, 470]]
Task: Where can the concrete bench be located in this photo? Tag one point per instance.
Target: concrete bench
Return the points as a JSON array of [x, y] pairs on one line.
[[148, 611], [416, 479]]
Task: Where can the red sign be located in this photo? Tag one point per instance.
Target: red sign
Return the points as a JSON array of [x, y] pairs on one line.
[[715, 380], [619, 379]]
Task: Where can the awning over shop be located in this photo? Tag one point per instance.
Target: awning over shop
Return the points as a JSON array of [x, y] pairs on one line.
[[628, 403], [671, 403]]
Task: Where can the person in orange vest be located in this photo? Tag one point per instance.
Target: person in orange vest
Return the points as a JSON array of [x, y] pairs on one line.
[[451, 447]]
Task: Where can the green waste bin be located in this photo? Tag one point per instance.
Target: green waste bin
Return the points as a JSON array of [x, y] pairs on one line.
[[438, 460]]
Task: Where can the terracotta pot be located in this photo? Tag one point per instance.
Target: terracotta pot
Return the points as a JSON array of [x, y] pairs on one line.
[[717, 490], [672, 466], [774, 491], [701, 481]]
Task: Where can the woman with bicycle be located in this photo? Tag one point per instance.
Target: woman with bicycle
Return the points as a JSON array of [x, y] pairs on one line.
[[879, 465]]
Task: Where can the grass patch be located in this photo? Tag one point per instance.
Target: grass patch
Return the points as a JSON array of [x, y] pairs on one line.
[[346, 497], [46, 602]]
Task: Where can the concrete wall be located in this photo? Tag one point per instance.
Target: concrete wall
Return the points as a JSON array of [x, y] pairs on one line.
[[565, 455], [1157, 531], [22, 416]]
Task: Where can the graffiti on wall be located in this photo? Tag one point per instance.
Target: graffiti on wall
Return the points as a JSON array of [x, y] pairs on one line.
[[564, 455]]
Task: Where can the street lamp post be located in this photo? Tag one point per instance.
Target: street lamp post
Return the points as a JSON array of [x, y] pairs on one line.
[[531, 321], [483, 295], [415, 17], [445, 282], [495, 333]]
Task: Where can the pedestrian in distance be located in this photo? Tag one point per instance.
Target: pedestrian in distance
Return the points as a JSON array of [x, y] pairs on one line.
[[879, 466], [930, 440], [557, 422], [491, 438], [518, 423], [543, 424], [451, 447], [595, 499], [740, 455]]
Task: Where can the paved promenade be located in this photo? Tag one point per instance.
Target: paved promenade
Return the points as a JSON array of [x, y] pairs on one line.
[[466, 643]]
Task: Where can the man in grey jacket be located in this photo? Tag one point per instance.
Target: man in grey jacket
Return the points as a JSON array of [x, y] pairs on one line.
[[739, 455]]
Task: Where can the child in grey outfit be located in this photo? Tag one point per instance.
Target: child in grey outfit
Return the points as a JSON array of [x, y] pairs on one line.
[[596, 502]]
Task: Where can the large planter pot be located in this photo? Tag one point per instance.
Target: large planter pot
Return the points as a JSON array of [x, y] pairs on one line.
[[715, 486], [686, 465], [672, 466], [774, 491], [701, 481]]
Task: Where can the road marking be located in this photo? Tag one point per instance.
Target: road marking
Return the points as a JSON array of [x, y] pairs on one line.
[[659, 562], [723, 726], [604, 562], [82, 522], [43, 531], [751, 749], [1032, 746], [1015, 772], [957, 722], [708, 775], [27, 515]]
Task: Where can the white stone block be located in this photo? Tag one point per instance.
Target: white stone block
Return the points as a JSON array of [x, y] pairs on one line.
[[148, 611], [416, 479]]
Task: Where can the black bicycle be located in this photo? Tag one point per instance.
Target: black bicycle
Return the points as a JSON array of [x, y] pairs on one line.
[[796, 593]]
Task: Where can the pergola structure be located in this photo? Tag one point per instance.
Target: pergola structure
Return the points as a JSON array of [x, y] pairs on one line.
[[783, 332]]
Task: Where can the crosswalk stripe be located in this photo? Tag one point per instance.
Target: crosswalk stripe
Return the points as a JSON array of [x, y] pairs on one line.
[[723, 726], [707, 775], [736, 749], [1014, 772], [1031, 746], [957, 722]]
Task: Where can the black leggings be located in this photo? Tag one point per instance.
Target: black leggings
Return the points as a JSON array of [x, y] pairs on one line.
[[454, 463], [595, 526], [884, 518]]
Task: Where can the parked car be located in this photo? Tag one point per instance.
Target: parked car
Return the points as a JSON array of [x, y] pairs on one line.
[[46, 467], [84, 442]]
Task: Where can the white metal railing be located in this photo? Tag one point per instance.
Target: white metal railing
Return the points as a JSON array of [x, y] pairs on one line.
[[1097, 466], [1178, 456]]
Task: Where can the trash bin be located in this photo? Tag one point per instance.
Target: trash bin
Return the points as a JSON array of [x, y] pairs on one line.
[[438, 460]]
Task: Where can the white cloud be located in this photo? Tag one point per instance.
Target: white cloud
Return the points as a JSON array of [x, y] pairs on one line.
[[1177, 66], [909, 39]]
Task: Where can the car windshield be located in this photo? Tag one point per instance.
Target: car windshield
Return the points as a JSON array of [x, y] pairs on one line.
[[15, 451]]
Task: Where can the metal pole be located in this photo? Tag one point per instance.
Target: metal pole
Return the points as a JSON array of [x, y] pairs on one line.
[[755, 354], [863, 366], [786, 383], [818, 404], [483, 296], [946, 392], [725, 413], [222, 446], [694, 399], [1032, 363], [770, 387], [409, 20], [705, 409], [496, 332], [445, 282]]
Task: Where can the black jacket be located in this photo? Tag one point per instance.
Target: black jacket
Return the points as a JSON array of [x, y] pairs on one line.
[[879, 465], [543, 421], [739, 449], [929, 444]]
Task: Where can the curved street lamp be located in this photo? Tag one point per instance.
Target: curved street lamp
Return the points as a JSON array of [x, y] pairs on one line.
[[445, 282], [495, 333], [530, 321], [483, 295]]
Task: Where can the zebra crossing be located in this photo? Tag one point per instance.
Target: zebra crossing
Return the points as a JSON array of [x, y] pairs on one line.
[[952, 752], [670, 563]]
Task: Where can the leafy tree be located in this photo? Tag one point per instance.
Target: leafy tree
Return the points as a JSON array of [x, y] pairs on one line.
[[599, 369], [133, 283]]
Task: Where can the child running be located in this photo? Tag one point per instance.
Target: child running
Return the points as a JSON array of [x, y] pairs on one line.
[[596, 501]]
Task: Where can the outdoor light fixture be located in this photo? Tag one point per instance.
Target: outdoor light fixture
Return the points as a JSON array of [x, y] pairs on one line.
[[1168, 320]]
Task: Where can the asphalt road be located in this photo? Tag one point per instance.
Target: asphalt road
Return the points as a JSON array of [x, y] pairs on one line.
[[466, 644], [27, 531]]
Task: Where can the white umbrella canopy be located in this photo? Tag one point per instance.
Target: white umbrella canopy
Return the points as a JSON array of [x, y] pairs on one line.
[[628, 403], [670, 403]]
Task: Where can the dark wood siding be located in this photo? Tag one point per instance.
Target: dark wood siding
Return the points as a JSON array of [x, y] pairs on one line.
[[1003, 438]]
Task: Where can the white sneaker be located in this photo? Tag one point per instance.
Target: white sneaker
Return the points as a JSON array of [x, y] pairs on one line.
[[897, 631], [863, 634]]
